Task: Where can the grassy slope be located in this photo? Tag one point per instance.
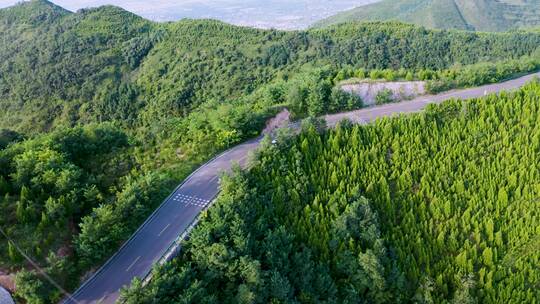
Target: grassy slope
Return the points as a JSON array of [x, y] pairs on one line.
[[481, 15]]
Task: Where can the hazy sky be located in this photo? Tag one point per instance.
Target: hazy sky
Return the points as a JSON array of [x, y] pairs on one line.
[[284, 14]]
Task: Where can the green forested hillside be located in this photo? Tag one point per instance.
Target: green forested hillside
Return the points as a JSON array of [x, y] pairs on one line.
[[68, 200], [478, 15], [102, 112], [437, 207], [59, 67], [62, 68]]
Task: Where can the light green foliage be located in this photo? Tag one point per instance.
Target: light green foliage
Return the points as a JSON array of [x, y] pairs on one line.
[[458, 76], [269, 246], [106, 64], [424, 208], [113, 108], [482, 73], [31, 288], [342, 101], [78, 71], [103, 231], [384, 96], [57, 181]]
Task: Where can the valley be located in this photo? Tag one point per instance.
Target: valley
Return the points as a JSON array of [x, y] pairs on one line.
[[278, 14]]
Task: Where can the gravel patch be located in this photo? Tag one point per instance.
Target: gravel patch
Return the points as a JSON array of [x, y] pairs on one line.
[[281, 120]]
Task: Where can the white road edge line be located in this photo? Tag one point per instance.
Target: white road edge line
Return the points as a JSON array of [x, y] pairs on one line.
[[164, 229], [133, 264]]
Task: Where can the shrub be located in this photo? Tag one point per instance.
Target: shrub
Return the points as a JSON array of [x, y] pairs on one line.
[[384, 96]]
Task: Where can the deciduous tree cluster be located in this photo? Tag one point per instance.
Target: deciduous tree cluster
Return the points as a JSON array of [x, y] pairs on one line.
[[440, 206]]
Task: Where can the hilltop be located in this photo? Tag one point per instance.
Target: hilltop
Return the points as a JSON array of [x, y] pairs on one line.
[[102, 112], [478, 15]]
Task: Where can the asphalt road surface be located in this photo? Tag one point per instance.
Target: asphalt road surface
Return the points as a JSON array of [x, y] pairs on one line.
[[417, 104], [137, 257]]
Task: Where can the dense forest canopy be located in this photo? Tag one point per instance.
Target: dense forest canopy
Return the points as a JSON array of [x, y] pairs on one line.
[[104, 64], [437, 207], [474, 15], [69, 199], [102, 112]]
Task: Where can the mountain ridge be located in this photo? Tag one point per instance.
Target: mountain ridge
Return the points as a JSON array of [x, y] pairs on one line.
[[104, 111], [479, 15], [35, 11], [106, 63]]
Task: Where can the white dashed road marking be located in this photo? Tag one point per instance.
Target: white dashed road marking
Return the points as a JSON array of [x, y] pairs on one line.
[[164, 229], [132, 264]]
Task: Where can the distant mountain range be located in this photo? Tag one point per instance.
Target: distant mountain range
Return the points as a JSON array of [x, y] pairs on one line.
[[478, 15], [86, 60], [102, 112], [279, 14]]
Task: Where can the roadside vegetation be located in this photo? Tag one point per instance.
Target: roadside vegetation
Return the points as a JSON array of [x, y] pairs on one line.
[[113, 110], [436, 207], [455, 77], [385, 96]]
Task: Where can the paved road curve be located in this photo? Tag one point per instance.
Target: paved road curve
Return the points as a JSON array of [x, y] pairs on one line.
[[417, 104], [149, 243]]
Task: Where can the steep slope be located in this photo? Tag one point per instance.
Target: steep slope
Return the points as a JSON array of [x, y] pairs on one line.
[[177, 94], [54, 62], [37, 12], [480, 15], [201, 60], [435, 207]]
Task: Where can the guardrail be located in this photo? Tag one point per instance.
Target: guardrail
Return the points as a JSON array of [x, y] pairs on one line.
[[175, 244], [174, 249]]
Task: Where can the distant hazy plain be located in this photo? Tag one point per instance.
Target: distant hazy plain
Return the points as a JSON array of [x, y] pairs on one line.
[[281, 14]]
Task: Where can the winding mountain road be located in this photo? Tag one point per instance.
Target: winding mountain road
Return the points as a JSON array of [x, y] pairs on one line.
[[153, 239]]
